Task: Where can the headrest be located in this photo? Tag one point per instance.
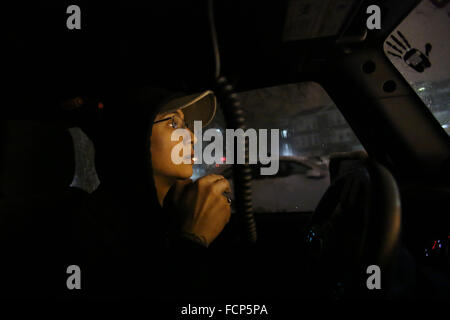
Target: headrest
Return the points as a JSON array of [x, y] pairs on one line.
[[38, 157]]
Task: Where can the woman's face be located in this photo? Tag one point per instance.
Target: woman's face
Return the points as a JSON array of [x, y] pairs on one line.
[[161, 147]]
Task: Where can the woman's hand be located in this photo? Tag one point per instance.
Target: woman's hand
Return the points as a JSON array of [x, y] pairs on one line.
[[201, 208]]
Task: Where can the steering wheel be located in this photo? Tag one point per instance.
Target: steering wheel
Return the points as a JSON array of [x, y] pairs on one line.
[[356, 224]]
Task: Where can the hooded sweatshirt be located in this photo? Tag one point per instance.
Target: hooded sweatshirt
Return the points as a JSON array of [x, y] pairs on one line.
[[117, 236], [149, 262]]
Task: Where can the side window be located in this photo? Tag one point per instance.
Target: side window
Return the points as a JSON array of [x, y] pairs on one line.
[[283, 170], [311, 128], [296, 168], [420, 50]]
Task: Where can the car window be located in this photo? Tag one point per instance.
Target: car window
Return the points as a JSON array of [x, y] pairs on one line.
[[283, 170], [310, 129], [296, 168], [419, 48]]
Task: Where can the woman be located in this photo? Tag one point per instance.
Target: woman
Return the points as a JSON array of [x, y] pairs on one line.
[[157, 221], [202, 208]]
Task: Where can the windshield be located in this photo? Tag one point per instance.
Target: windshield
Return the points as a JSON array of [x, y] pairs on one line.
[[311, 128]]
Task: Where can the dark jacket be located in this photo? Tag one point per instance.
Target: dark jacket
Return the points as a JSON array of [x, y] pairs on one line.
[[128, 190], [118, 235]]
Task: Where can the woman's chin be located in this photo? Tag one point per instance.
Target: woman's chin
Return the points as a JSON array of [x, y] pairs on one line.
[[186, 172]]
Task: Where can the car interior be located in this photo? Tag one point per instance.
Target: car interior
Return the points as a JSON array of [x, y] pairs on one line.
[[385, 204]]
